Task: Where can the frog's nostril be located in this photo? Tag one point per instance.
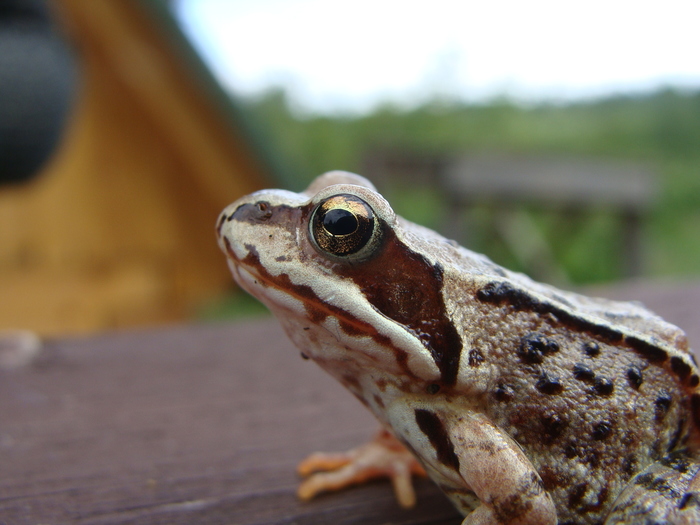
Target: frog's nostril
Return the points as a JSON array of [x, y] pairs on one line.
[[251, 212]]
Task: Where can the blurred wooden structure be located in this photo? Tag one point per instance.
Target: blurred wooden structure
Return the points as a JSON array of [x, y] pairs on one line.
[[570, 186], [118, 229]]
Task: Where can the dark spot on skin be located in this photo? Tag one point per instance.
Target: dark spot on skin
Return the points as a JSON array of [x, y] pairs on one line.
[[591, 349], [571, 450], [656, 484], [603, 386], [519, 502], [577, 494], [694, 381], [678, 461], [475, 358], [629, 465], [552, 427], [282, 258], [431, 425], [534, 347], [661, 404], [503, 292], [378, 401], [644, 480], [680, 367], [552, 478], [303, 355], [583, 373], [689, 499], [504, 392], [601, 431], [634, 376], [548, 384], [307, 328], [433, 388]]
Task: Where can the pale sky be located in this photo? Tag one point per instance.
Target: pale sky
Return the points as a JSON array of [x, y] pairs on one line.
[[353, 55]]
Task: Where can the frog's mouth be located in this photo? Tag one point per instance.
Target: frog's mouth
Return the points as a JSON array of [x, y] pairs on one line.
[[271, 290]]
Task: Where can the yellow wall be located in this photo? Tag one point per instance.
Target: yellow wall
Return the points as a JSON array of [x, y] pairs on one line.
[[118, 229]]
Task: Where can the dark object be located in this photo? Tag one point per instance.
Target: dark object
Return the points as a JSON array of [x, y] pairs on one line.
[[37, 81]]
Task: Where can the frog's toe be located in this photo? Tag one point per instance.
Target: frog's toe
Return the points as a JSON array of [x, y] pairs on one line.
[[382, 457], [322, 462]]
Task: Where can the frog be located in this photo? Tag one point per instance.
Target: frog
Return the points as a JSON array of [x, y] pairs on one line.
[[524, 403]]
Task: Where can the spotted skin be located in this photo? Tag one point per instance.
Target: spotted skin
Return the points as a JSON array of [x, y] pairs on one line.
[[525, 404]]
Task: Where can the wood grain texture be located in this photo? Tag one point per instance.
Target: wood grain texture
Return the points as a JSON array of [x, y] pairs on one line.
[[199, 424]]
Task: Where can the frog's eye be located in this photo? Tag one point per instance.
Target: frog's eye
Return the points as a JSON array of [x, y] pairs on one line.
[[343, 226]]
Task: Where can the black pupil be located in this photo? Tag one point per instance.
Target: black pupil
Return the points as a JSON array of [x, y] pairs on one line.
[[339, 222]]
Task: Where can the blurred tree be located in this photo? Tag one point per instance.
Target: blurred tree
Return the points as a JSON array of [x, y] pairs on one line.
[[660, 128]]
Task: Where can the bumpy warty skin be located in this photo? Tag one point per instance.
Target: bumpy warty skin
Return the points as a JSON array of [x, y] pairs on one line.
[[524, 403]]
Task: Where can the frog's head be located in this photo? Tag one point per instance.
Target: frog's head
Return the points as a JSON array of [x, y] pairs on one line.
[[339, 271]]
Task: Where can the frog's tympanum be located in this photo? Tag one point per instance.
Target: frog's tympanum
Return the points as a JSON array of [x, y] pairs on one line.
[[525, 404]]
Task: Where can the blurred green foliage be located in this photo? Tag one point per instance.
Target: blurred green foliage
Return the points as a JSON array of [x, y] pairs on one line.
[[662, 128], [231, 306]]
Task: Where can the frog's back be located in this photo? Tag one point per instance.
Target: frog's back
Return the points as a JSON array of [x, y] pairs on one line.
[[590, 416], [594, 391]]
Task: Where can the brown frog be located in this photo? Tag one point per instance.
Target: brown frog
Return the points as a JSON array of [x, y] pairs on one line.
[[524, 403]]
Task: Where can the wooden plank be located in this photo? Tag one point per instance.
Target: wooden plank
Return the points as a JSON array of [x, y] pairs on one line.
[[200, 424]]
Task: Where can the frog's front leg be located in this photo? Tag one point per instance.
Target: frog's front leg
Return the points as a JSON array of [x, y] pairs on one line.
[[494, 467]]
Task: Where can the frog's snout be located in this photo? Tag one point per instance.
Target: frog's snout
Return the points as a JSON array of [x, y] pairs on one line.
[[243, 210]]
